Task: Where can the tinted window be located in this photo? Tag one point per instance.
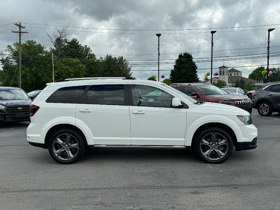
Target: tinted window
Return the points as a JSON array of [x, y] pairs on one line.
[[68, 95], [211, 90], [275, 88], [106, 95], [186, 89], [269, 88], [150, 96], [13, 94]]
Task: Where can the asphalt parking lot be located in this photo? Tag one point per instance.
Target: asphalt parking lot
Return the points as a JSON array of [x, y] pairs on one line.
[[140, 178]]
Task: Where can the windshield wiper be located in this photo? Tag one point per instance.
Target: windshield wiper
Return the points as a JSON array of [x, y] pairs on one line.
[[199, 102]]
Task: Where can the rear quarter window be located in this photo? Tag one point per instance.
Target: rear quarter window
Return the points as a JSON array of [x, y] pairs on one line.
[[74, 94]]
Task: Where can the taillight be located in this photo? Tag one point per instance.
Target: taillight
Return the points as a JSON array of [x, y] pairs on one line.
[[33, 109], [254, 94]]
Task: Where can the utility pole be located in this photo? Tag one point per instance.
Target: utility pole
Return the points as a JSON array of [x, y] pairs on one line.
[[158, 35], [52, 68], [212, 43], [19, 49], [268, 46]]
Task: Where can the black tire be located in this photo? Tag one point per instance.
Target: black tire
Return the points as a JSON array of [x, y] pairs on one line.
[[264, 108], [213, 145], [66, 146]]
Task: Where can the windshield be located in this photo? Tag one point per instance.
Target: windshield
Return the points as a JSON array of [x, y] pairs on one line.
[[211, 90], [180, 93], [230, 90], [13, 94]]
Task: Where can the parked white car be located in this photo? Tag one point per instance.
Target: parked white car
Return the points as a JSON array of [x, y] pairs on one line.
[[67, 117], [234, 90]]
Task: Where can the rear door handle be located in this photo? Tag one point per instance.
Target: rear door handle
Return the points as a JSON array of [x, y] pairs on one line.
[[85, 110], [138, 112]]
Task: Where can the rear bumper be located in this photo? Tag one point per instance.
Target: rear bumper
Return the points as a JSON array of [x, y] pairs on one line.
[[38, 145], [246, 145]]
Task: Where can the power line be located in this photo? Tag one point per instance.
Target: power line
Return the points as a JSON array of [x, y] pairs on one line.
[[40, 25]]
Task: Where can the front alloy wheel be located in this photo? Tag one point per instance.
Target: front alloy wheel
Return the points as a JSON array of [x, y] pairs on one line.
[[264, 109], [66, 146], [213, 145]]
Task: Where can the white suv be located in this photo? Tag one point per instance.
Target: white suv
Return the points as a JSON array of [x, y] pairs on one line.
[[68, 117]]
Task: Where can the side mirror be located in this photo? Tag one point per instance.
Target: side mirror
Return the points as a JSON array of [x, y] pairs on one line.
[[176, 103]]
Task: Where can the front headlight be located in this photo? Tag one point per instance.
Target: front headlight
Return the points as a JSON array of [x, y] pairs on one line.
[[246, 119], [2, 107]]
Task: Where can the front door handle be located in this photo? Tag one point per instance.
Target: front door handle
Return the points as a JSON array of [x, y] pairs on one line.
[[85, 110], [138, 112]]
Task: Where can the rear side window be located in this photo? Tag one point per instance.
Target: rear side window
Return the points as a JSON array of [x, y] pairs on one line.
[[275, 88], [74, 95], [106, 95]]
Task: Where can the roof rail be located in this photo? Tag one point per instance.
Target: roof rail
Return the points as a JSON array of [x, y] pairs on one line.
[[93, 78]]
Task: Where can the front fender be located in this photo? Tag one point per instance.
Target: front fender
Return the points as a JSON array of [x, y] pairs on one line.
[[209, 119]]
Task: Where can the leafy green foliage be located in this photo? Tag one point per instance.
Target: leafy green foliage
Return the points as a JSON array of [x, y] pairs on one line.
[[112, 67], [69, 68], [220, 83], [257, 74], [250, 86], [240, 83], [167, 81], [185, 69], [36, 66], [71, 60]]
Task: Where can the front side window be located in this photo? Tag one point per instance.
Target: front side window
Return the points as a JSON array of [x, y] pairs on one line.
[[150, 96], [106, 95]]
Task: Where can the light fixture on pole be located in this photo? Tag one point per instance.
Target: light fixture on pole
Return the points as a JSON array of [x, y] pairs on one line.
[[212, 32], [268, 43], [158, 35]]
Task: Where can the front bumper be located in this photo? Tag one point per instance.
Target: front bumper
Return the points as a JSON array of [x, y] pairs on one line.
[[246, 145], [14, 117]]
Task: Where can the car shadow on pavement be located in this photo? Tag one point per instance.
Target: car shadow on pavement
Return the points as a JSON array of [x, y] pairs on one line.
[[14, 125], [133, 154]]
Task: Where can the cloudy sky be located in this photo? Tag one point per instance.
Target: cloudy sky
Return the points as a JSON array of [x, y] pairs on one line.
[[128, 28]]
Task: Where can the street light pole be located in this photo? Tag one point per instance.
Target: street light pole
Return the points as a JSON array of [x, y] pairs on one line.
[[268, 43], [158, 35], [212, 33]]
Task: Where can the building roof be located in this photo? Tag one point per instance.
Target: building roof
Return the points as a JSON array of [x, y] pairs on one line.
[[223, 66], [233, 79]]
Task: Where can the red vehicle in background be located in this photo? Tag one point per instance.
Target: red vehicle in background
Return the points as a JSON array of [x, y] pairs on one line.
[[210, 93]]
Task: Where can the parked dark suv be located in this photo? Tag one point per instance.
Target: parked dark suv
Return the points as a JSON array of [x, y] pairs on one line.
[[211, 93], [14, 105], [266, 99]]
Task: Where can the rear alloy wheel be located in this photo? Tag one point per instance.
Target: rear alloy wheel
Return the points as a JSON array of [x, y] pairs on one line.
[[66, 146], [264, 109], [213, 145]]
